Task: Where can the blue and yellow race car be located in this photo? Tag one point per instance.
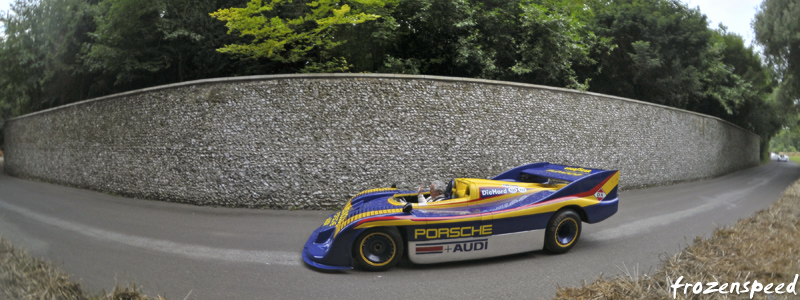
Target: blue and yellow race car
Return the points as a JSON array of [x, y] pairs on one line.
[[531, 207]]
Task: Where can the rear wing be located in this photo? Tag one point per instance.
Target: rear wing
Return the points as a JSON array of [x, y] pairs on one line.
[[583, 182], [542, 172]]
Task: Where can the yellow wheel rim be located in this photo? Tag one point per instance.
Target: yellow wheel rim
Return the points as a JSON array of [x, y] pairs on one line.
[[566, 232], [377, 249]]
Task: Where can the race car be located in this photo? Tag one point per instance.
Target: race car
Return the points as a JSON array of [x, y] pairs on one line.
[[530, 207]]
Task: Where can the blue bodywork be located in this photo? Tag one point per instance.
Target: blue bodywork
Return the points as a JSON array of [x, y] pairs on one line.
[[330, 246]]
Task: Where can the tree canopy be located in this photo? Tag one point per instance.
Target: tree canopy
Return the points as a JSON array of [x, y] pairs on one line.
[[288, 32], [54, 52], [777, 26]]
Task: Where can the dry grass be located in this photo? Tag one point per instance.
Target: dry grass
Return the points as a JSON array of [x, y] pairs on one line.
[[24, 277], [764, 247]]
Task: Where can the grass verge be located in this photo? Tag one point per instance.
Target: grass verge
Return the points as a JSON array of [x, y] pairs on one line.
[[763, 248], [26, 277]]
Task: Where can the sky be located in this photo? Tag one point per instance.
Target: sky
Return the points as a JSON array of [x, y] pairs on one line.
[[734, 14], [5, 4]]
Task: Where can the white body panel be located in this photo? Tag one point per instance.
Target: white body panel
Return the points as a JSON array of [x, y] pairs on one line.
[[444, 250]]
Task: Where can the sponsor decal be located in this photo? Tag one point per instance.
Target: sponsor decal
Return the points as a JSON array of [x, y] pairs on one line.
[[331, 221], [452, 232], [567, 173], [488, 192], [577, 169], [335, 218], [600, 194], [453, 247], [515, 189], [430, 249], [506, 189]]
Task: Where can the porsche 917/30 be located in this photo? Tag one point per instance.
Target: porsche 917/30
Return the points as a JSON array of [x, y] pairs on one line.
[[530, 207]]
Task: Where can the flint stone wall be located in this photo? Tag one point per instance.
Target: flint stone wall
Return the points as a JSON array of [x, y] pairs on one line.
[[312, 141]]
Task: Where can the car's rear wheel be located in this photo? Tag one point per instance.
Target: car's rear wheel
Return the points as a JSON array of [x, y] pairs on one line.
[[378, 249], [563, 231]]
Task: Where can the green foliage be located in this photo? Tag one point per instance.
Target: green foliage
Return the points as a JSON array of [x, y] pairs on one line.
[[436, 37], [143, 43], [542, 42], [742, 87], [364, 47], [662, 47], [115, 51], [776, 26], [283, 31], [786, 140], [39, 55], [553, 39]]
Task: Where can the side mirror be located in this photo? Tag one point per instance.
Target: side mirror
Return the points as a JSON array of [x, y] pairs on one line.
[[407, 208]]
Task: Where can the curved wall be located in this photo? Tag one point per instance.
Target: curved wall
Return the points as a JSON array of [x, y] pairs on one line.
[[312, 141]]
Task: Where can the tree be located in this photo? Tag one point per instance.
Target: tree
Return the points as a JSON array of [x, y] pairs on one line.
[[364, 47], [144, 43], [786, 140], [288, 32], [744, 87], [541, 41], [661, 49], [776, 26], [555, 41], [40, 49], [437, 37], [128, 44]]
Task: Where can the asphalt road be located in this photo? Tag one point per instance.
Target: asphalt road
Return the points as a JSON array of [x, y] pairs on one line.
[[177, 250]]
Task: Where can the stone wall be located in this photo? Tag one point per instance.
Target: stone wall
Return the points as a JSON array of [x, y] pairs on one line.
[[312, 141]]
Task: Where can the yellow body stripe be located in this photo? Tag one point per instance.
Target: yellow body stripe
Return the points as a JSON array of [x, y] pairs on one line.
[[611, 183]]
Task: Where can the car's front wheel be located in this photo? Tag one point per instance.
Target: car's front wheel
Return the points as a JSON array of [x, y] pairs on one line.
[[562, 232], [378, 249]]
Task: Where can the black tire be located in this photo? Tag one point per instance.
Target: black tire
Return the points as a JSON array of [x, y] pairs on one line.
[[562, 232], [378, 249]]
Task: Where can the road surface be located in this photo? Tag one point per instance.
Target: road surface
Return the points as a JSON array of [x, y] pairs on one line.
[[175, 250]]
